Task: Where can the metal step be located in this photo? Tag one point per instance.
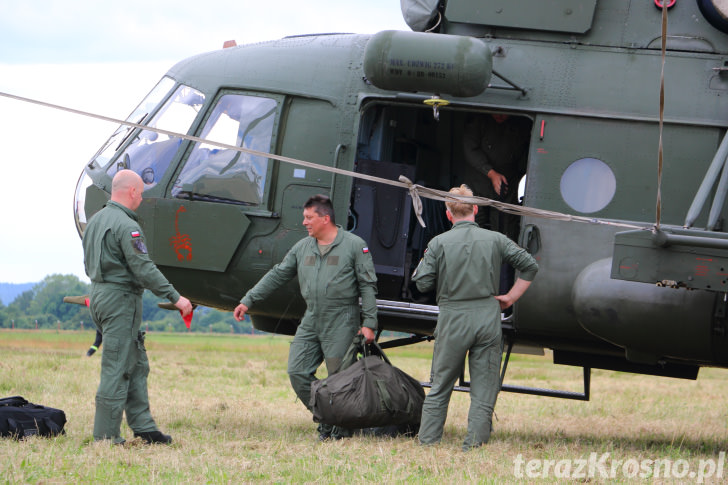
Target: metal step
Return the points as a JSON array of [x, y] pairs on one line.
[[412, 310]]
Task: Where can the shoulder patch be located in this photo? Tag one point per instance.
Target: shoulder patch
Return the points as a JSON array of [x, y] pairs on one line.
[[135, 234], [364, 250], [139, 246]]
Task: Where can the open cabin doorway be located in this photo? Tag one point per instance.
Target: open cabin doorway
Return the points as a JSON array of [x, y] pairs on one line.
[[402, 139]]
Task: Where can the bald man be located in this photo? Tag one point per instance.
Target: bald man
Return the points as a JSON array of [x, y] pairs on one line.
[[119, 267]]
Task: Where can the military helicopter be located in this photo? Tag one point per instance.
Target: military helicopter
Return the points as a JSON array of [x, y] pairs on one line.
[[214, 139]]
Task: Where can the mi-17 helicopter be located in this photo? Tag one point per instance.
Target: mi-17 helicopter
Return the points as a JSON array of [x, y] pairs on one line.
[[582, 78]]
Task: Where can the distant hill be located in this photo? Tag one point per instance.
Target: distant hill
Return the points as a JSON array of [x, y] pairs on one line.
[[9, 291]]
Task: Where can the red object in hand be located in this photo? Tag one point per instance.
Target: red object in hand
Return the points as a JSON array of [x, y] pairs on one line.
[[188, 319]]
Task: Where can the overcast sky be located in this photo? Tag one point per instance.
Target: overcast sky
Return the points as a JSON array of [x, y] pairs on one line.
[[104, 57]]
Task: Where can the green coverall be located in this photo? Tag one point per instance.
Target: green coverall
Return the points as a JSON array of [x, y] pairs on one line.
[[503, 147], [331, 286], [463, 264], [119, 267]]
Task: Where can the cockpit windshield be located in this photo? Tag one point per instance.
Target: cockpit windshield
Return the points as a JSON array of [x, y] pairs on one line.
[[150, 153], [148, 104]]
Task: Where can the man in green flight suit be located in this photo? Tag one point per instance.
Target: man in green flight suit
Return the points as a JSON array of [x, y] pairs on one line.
[[334, 269], [119, 267], [495, 148], [463, 265]]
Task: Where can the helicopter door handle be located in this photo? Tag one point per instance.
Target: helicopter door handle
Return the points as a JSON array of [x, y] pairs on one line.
[[337, 153], [339, 148], [531, 239]]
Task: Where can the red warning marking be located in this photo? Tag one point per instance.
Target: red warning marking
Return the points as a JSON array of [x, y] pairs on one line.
[[180, 242]]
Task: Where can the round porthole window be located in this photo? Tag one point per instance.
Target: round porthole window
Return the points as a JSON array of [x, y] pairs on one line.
[[588, 185]]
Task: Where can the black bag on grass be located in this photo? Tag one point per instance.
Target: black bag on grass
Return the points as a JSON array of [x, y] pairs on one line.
[[367, 393], [20, 418]]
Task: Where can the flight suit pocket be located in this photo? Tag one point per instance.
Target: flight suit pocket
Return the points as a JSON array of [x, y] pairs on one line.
[[366, 273], [334, 290], [111, 346], [113, 369]]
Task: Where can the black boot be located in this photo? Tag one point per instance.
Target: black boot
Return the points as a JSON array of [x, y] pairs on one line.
[[152, 437]]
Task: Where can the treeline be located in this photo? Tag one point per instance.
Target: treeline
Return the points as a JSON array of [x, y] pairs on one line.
[[42, 306]]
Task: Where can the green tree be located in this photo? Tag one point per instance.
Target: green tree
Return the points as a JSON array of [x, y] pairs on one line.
[[150, 309], [209, 316], [44, 303], [23, 301], [221, 327], [48, 298]]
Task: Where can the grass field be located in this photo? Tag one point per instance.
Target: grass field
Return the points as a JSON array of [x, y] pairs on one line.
[[227, 402]]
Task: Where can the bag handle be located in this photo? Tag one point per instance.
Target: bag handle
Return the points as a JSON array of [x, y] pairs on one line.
[[375, 349], [359, 346], [352, 353], [385, 397]]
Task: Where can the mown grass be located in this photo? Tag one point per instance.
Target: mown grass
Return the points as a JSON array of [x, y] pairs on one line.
[[228, 404]]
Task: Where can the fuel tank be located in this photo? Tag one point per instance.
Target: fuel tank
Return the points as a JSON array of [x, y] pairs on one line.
[[651, 323], [431, 63]]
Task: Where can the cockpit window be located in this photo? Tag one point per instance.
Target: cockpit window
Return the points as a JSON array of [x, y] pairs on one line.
[[150, 153], [226, 175], [160, 91]]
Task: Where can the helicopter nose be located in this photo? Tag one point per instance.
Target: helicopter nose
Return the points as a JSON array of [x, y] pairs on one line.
[[79, 202]]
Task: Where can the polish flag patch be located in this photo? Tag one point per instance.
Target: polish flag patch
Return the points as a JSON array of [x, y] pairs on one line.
[[135, 234], [365, 250]]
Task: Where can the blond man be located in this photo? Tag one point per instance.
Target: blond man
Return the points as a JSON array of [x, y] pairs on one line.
[[463, 266]]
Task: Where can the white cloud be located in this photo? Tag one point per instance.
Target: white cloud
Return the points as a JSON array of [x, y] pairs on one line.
[[134, 30], [87, 55], [43, 153]]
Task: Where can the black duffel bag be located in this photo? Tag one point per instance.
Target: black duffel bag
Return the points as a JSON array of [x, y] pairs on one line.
[[369, 392], [20, 418]]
